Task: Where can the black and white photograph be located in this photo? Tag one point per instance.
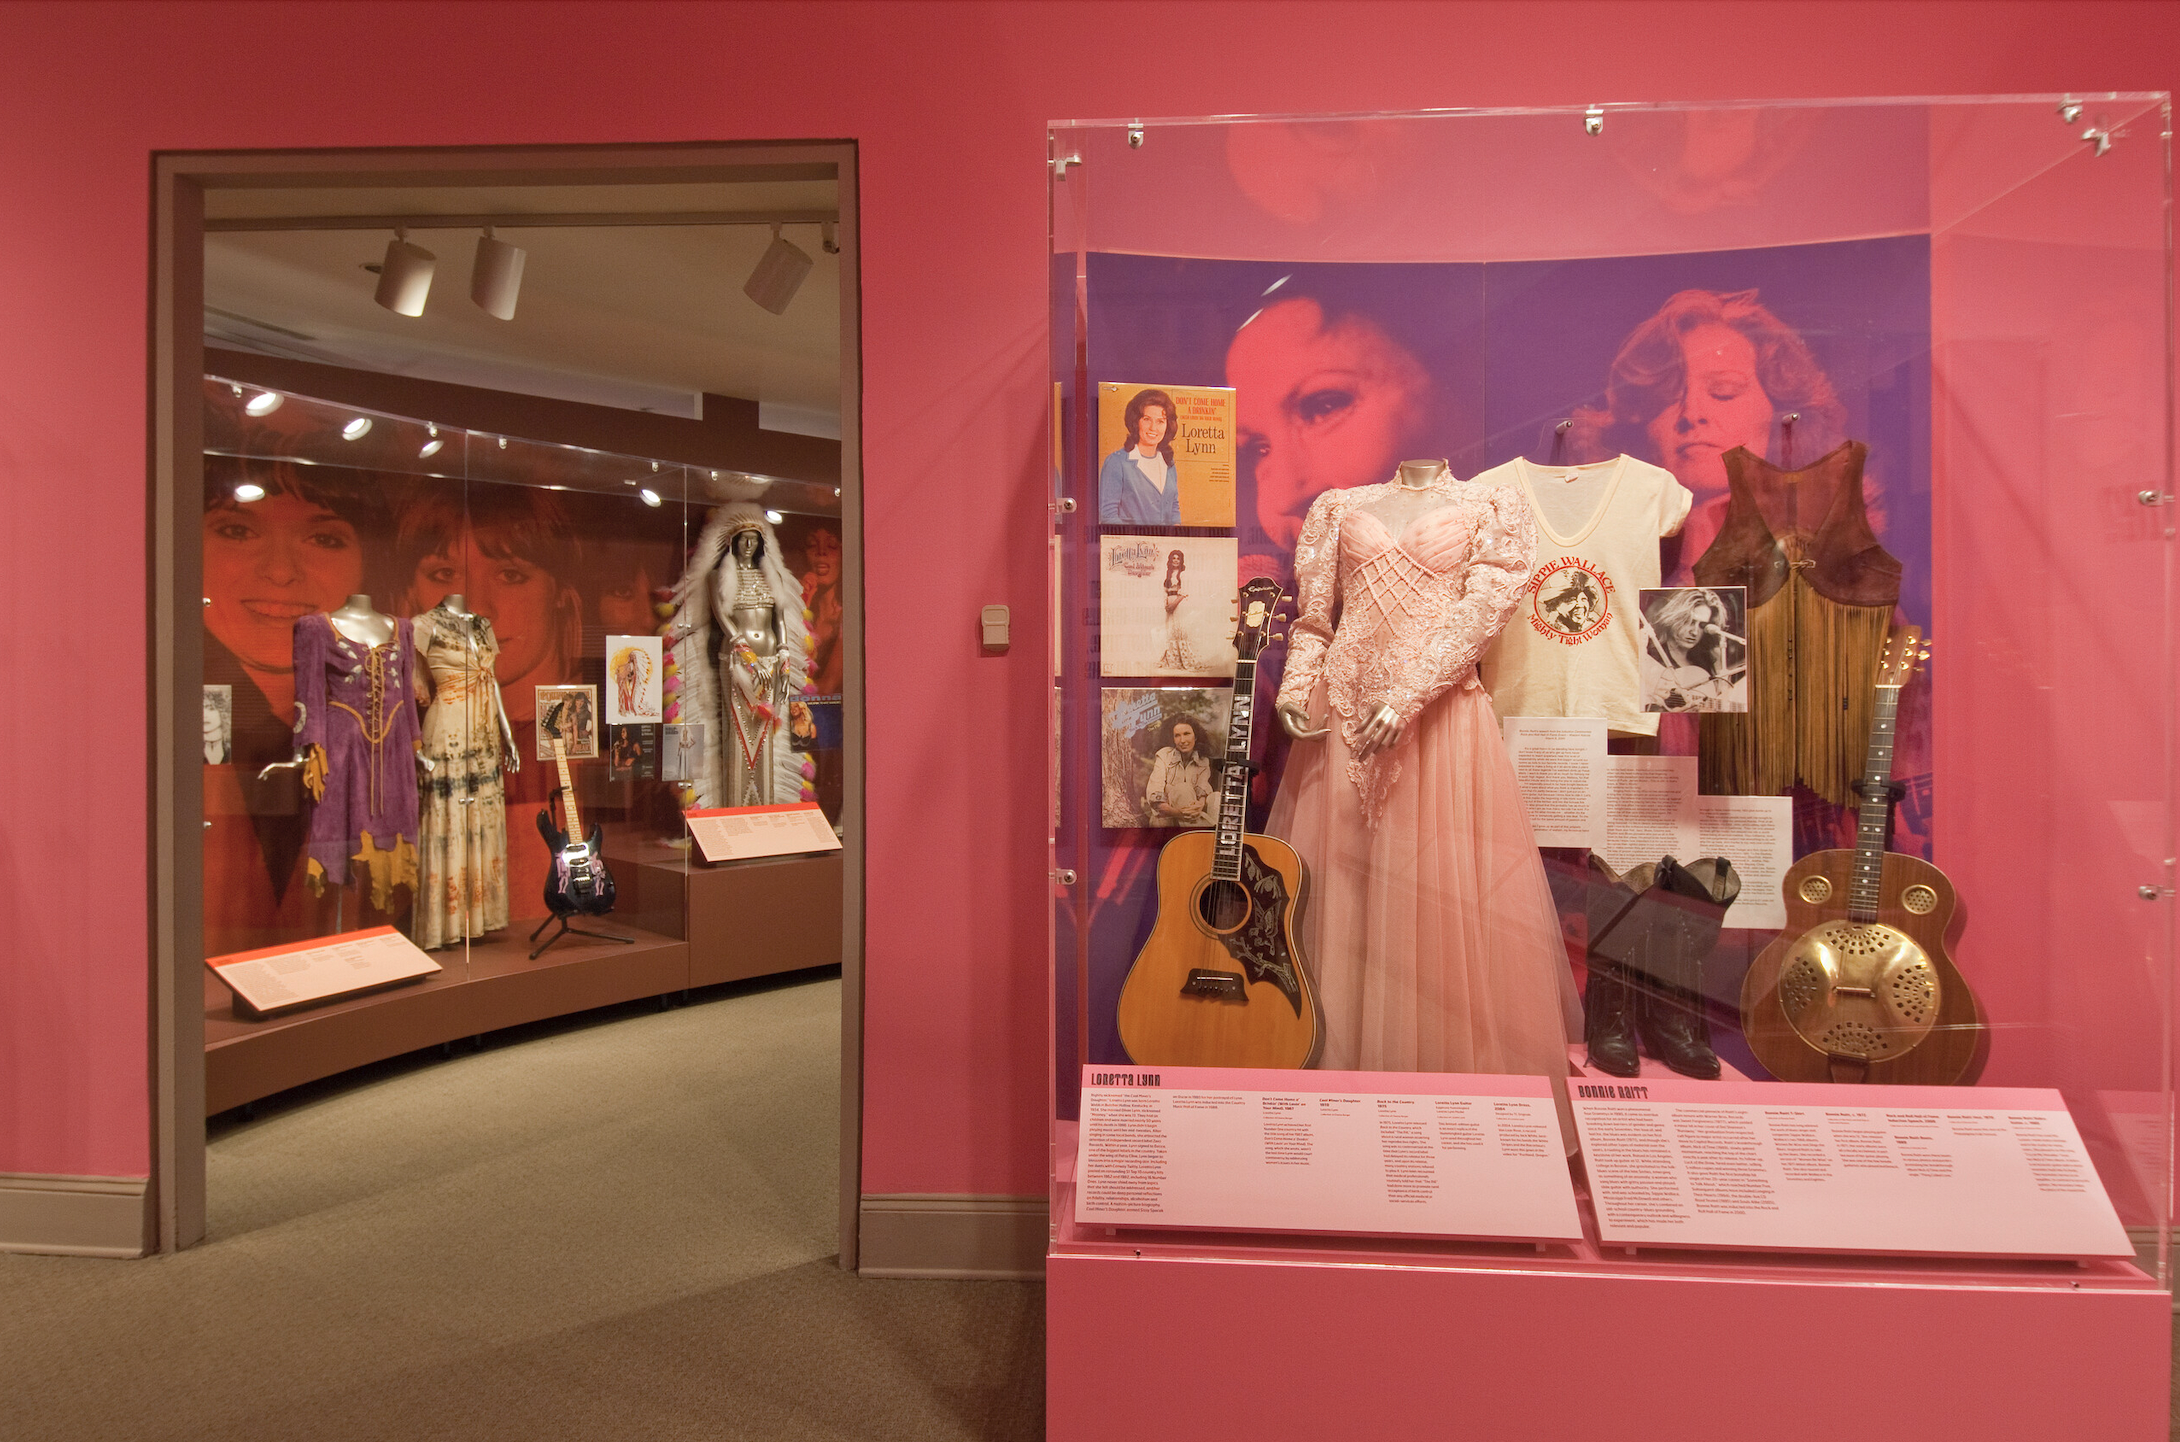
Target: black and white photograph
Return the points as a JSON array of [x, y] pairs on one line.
[[1694, 648], [219, 725], [1160, 744]]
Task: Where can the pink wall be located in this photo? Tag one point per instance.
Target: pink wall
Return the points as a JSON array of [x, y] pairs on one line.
[[949, 104]]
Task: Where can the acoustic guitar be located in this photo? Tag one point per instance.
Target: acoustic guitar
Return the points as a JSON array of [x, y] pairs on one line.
[[1222, 980], [1860, 986]]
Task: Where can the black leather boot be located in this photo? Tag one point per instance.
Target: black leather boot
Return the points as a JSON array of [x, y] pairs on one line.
[[1669, 1011], [1608, 1021]]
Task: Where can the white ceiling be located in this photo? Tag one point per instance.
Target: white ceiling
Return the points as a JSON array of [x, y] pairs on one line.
[[647, 317]]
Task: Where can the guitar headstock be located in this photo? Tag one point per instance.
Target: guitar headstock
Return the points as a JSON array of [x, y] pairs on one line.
[[551, 723], [1254, 611], [1905, 652]]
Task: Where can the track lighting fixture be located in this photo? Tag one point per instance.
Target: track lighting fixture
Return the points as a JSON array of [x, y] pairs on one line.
[[432, 446], [264, 403], [650, 497], [404, 277], [774, 517], [496, 277], [779, 274], [356, 429], [249, 491]]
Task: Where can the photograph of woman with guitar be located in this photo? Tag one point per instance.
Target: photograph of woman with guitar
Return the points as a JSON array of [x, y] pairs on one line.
[[1695, 650]]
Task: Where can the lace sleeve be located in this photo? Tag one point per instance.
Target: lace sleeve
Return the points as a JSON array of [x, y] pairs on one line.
[[1316, 582], [1499, 562]]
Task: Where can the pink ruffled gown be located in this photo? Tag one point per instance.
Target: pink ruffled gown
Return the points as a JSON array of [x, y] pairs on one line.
[[1430, 926]]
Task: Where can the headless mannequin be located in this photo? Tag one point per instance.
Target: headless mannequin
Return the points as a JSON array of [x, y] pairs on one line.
[[361, 622], [510, 754], [1421, 489], [366, 625]]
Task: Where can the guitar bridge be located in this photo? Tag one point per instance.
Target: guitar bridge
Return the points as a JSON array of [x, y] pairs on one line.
[[1215, 985]]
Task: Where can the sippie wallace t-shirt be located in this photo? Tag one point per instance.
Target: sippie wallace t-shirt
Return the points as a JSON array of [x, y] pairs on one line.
[[1570, 647]]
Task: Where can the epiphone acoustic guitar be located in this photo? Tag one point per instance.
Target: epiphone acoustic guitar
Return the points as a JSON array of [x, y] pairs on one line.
[[1859, 986], [578, 883], [1222, 980]]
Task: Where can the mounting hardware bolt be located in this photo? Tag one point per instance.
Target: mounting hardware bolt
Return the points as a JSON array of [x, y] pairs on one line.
[[1593, 120], [1135, 137]]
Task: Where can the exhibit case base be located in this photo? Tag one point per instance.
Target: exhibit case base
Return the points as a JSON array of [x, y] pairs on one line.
[[1155, 1348]]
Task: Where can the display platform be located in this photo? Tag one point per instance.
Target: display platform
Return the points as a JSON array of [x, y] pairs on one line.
[[1542, 1348], [500, 987], [748, 918]]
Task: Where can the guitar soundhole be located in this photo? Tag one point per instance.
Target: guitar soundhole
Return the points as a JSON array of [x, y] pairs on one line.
[[1223, 905]]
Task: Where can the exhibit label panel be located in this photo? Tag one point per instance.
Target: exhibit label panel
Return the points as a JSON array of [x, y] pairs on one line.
[[738, 833], [1994, 1172], [1233, 1149], [278, 978]]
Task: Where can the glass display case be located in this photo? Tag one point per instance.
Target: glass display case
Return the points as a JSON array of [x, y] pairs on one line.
[[1689, 589], [457, 696]]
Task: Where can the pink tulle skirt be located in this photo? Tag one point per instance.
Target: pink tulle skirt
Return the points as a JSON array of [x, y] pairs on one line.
[[1432, 934]]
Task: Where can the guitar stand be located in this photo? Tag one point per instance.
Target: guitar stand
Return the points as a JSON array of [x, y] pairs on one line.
[[567, 930]]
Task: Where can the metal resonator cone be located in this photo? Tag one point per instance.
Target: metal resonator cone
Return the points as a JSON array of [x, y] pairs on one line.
[[1856, 989]]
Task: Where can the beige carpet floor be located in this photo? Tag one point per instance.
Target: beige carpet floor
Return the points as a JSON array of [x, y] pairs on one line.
[[616, 1225]]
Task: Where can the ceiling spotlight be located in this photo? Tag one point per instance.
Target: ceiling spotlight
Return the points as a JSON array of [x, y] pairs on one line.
[[249, 491], [779, 274], [648, 496], [404, 277], [496, 277], [264, 403], [431, 448], [774, 517], [356, 429]]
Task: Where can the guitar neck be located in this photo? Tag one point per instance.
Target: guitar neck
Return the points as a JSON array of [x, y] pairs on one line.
[[1234, 779], [1875, 811], [567, 791]]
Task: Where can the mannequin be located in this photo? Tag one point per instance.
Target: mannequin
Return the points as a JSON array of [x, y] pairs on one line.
[[1431, 927], [741, 648], [1419, 486], [467, 742], [356, 734]]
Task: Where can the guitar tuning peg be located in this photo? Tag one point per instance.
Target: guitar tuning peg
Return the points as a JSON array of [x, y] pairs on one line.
[[1279, 635]]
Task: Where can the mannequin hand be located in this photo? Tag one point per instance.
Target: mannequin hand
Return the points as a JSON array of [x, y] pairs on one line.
[[1297, 721], [1382, 731]]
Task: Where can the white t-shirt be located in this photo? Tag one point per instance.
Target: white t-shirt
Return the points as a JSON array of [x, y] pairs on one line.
[[1570, 647]]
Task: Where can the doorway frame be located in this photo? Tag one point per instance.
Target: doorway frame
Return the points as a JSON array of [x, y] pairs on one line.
[[174, 573]]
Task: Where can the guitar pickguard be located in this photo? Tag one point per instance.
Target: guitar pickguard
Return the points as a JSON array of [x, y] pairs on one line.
[[1260, 945]]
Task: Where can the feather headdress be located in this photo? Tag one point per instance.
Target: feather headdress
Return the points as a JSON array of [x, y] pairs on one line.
[[706, 592]]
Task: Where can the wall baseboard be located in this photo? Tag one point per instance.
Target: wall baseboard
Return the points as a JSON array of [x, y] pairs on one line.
[[75, 1216], [988, 1238]]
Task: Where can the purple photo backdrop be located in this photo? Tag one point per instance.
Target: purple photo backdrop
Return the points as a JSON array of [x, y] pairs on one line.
[[1341, 371]]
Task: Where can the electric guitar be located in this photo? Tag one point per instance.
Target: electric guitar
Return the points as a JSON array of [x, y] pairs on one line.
[[1222, 980], [1859, 986], [578, 881]]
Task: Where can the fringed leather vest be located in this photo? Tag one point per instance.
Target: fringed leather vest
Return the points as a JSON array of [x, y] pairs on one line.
[[1821, 594]]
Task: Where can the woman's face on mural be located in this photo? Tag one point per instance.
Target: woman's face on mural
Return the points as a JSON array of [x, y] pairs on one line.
[[624, 605], [1320, 407], [822, 555], [269, 561], [519, 598], [1722, 405]]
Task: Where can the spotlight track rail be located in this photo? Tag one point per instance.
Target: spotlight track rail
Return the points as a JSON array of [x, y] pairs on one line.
[[552, 220]]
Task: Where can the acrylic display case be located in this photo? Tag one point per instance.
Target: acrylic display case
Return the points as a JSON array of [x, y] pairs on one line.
[[1969, 298], [571, 557]]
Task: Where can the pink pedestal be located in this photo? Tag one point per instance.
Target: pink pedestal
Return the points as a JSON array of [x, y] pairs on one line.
[[1156, 1348]]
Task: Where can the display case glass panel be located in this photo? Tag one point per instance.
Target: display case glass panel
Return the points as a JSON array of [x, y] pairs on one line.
[[1742, 410], [435, 739]]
